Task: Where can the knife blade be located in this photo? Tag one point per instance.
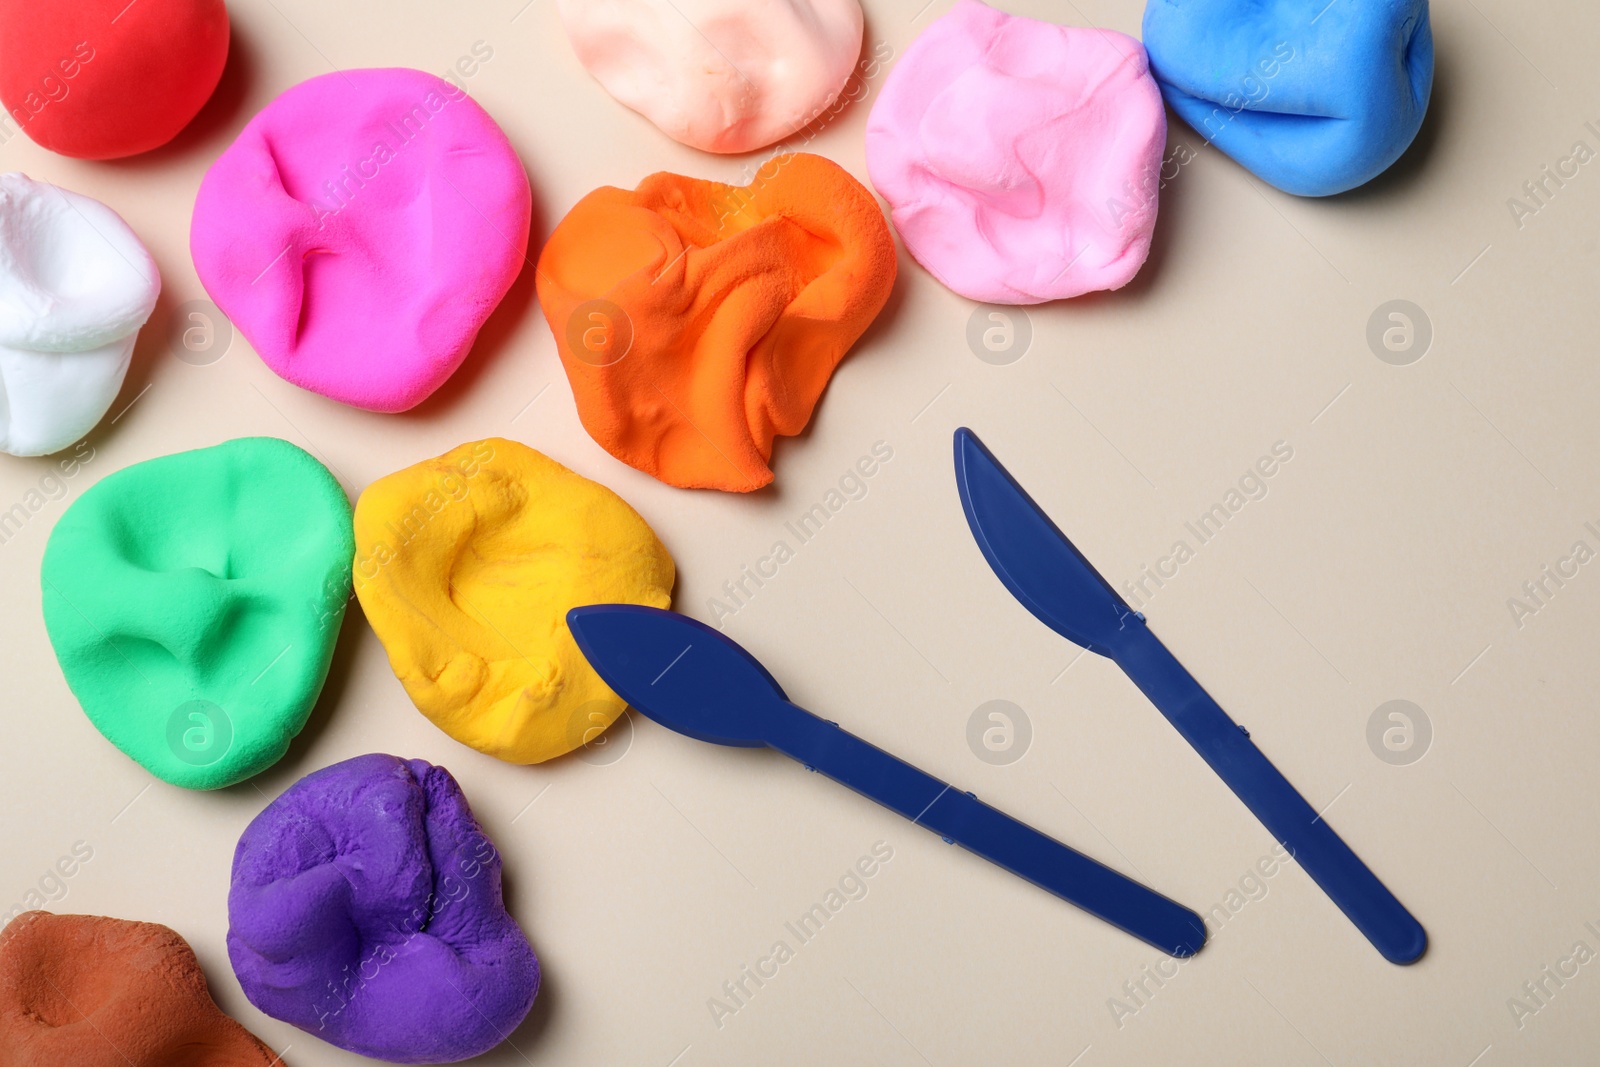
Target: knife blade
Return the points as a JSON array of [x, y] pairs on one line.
[[1044, 570], [696, 681]]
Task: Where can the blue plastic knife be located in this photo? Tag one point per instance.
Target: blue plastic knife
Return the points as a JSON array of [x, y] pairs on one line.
[[1053, 580], [691, 679]]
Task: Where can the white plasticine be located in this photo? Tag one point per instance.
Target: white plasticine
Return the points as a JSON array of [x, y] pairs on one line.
[[719, 75], [75, 287]]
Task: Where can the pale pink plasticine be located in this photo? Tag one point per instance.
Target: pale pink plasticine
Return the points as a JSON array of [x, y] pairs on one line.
[[361, 229], [719, 75], [1021, 159]]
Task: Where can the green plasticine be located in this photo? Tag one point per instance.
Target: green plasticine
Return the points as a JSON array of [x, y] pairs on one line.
[[193, 601]]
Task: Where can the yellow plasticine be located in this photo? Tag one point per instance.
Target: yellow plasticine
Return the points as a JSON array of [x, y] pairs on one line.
[[466, 566]]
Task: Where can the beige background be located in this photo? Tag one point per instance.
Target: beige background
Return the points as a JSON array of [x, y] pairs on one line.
[[1378, 567]]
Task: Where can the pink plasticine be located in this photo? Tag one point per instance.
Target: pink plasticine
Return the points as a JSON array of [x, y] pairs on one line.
[[361, 229], [1020, 159]]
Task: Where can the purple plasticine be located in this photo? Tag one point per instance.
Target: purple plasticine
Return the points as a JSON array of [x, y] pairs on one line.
[[366, 910]]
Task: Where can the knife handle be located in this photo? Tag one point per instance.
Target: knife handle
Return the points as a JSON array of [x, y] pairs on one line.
[[1227, 747], [962, 819]]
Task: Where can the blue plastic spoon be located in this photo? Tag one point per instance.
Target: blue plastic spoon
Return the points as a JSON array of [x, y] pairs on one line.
[[1052, 579], [691, 679]]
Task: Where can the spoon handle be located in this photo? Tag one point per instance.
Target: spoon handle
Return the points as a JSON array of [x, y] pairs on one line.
[[960, 818]]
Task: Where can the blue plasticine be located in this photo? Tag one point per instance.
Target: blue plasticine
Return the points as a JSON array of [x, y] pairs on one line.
[[1315, 97]]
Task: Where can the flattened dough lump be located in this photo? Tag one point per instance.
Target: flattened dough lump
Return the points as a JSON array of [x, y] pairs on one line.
[[193, 602], [719, 75], [466, 566]]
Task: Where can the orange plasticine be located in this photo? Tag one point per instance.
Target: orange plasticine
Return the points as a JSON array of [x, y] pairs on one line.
[[697, 321]]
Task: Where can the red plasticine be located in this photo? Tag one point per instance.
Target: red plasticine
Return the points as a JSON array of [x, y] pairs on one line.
[[86, 991], [102, 79]]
